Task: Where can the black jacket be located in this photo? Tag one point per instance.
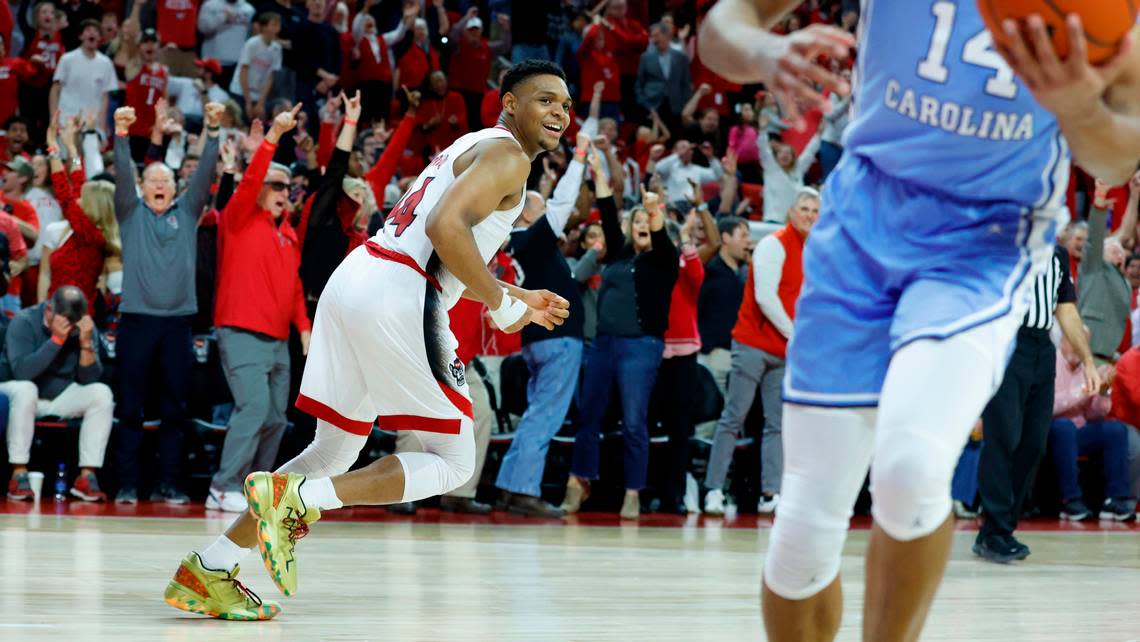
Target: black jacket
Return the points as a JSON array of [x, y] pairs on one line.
[[655, 271]]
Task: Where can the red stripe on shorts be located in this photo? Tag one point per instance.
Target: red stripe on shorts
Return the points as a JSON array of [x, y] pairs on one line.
[[324, 413], [431, 424], [384, 253]]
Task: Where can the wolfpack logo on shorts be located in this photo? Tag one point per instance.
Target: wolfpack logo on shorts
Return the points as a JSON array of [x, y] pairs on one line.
[[457, 373]]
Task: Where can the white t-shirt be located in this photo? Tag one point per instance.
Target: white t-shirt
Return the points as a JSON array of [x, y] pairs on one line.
[[182, 92], [55, 234], [83, 81], [262, 59], [47, 211]]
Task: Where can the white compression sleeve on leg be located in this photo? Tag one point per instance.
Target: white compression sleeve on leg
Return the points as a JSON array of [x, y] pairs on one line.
[[826, 453], [332, 452], [933, 394], [447, 463]]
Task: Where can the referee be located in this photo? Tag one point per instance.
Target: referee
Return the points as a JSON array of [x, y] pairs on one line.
[[1016, 421]]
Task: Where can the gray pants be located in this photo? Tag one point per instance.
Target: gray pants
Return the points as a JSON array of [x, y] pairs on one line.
[[719, 363], [481, 407], [750, 368], [257, 371]]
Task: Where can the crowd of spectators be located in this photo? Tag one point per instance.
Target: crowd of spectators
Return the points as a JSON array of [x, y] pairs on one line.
[[179, 169]]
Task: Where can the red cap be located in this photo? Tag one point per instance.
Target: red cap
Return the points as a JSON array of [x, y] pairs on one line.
[[210, 64]]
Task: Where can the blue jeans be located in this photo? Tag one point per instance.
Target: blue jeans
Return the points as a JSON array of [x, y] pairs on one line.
[[553, 366], [520, 53], [829, 154], [633, 362], [1067, 442], [964, 486]]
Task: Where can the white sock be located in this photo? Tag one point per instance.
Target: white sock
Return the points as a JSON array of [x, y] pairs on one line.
[[320, 493], [223, 554]]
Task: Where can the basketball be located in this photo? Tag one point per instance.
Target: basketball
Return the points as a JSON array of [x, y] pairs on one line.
[[1106, 22]]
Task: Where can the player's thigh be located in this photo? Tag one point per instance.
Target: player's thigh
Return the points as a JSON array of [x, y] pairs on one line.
[[839, 350]]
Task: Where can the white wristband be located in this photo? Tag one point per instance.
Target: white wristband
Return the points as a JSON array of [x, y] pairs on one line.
[[509, 311]]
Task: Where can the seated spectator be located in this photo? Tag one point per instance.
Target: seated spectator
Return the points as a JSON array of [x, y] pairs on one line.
[[784, 175], [52, 352], [1080, 427], [259, 294], [759, 347], [633, 314]]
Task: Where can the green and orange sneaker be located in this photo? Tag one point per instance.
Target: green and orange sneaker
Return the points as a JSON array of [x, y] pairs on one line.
[[282, 519], [219, 594]]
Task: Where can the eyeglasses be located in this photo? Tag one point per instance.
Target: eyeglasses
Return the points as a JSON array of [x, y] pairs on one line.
[[277, 186]]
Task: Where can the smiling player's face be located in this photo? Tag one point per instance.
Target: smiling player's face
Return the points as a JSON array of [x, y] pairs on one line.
[[542, 110]]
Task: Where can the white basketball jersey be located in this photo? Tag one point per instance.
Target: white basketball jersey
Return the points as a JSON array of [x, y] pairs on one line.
[[405, 229]]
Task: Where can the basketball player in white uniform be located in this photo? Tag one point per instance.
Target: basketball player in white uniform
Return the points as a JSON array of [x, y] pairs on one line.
[[381, 348]]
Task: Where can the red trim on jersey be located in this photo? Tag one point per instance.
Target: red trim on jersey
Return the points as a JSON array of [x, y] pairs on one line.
[[324, 413], [462, 404], [384, 253]]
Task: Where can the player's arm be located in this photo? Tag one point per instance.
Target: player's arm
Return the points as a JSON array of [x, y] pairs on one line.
[[496, 172], [1098, 108], [736, 44]]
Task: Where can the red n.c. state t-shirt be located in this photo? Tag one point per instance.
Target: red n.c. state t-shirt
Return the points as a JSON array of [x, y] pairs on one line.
[[177, 23]]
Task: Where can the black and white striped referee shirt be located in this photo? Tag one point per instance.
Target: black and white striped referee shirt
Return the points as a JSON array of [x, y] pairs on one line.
[[1052, 286]]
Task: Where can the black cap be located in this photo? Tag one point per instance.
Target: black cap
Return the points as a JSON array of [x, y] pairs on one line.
[[148, 35]]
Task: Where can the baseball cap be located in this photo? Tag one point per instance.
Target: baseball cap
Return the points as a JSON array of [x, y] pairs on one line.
[[475, 23], [148, 35], [210, 64], [21, 166]]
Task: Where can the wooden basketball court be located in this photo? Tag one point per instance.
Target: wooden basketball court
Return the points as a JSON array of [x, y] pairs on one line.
[[98, 572]]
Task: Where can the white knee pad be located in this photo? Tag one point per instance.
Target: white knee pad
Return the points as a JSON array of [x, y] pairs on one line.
[[826, 453], [447, 462], [933, 394], [332, 452]]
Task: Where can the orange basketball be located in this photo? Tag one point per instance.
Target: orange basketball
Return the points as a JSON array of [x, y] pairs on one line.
[[1106, 22]]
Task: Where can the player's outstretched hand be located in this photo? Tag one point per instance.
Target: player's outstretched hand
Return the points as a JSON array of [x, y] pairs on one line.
[[1069, 88], [797, 69], [547, 309]]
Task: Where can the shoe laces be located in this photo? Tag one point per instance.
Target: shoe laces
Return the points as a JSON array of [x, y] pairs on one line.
[[241, 588], [298, 528]]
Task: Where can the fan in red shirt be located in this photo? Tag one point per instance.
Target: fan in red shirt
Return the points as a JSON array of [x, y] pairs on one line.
[[18, 174], [442, 116], [369, 67], [147, 81], [177, 22], [13, 71], [46, 46], [627, 39], [600, 64], [470, 66], [90, 236], [420, 58]]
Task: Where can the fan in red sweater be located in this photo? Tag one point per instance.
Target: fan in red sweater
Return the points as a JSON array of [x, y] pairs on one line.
[[420, 58], [369, 67], [13, 71], [600, 64], [259, 289], [442, 116], [88, 238]]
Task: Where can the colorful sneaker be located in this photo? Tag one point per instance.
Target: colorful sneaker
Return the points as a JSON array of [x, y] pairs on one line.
[[19, 489], [219, 594], [282, 519], [86, 487]]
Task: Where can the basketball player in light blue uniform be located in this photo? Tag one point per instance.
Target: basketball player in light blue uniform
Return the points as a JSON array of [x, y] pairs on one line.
[[945, 204]]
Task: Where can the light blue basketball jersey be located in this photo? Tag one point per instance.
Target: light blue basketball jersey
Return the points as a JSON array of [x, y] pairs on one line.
[[938, 107]]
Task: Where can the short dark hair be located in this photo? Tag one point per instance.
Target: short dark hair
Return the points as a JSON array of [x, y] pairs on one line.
[[1131, 257], [267, 17], [728, 224], [69, 302], [527, 69], [17, 120], [90, 23]]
